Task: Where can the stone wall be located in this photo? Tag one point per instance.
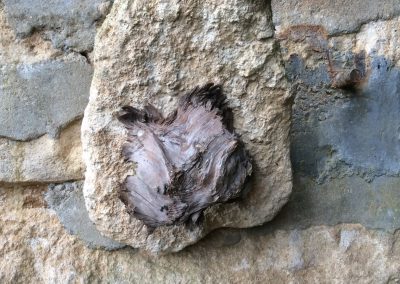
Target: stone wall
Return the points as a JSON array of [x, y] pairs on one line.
[[274, 58]]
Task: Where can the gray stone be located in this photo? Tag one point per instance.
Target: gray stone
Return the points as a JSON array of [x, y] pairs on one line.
[[345, 148], [68, 24], [67, 201], [41, 97], [342, 16], [373, 204], [343, 133]]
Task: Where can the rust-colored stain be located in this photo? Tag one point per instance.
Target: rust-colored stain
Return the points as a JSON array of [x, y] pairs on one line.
[[316, 38], [314, 35]]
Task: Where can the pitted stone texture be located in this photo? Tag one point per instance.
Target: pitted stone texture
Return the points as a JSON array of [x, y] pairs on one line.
[[149, 51], [28, 50], [44, 159], [68, 24], [41, 97], [67, 201], [342, 16], [36, 249], [335, 132]]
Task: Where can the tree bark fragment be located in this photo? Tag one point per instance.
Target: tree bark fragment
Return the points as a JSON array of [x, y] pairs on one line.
[[184, 163]]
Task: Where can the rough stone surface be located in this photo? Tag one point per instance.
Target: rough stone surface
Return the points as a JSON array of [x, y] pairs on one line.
[[44, 159], [68, 24], [67, 201], [41, 97], [152, 51], [41, 90], [343, 16], [373, 204], [29, 50], [36, 249], [345, 143]]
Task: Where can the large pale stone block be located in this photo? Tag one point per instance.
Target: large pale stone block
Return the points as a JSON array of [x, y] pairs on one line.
[[152, 51]]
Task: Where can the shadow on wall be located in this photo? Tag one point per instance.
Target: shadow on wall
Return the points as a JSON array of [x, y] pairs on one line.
[[345, 149]]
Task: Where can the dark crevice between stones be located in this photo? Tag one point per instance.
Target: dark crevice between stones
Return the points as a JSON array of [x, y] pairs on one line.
[[269, 9], [86, 55], [34, 183]]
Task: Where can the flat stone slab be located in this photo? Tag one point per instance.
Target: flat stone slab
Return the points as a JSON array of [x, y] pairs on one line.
[[42, 97], [345, 146], [149, 52], [43, 160], [67, 201], [68, 24], [342, 16]]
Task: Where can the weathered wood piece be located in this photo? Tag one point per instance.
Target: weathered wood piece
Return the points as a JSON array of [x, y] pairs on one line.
[[347, 79], [184, 163]]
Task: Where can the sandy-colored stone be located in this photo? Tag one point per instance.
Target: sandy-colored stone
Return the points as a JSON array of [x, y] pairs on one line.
[[36, 249], [150, 51], [43, 160]]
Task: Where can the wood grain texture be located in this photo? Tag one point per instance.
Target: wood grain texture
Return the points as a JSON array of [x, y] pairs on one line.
[[184, 163]]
